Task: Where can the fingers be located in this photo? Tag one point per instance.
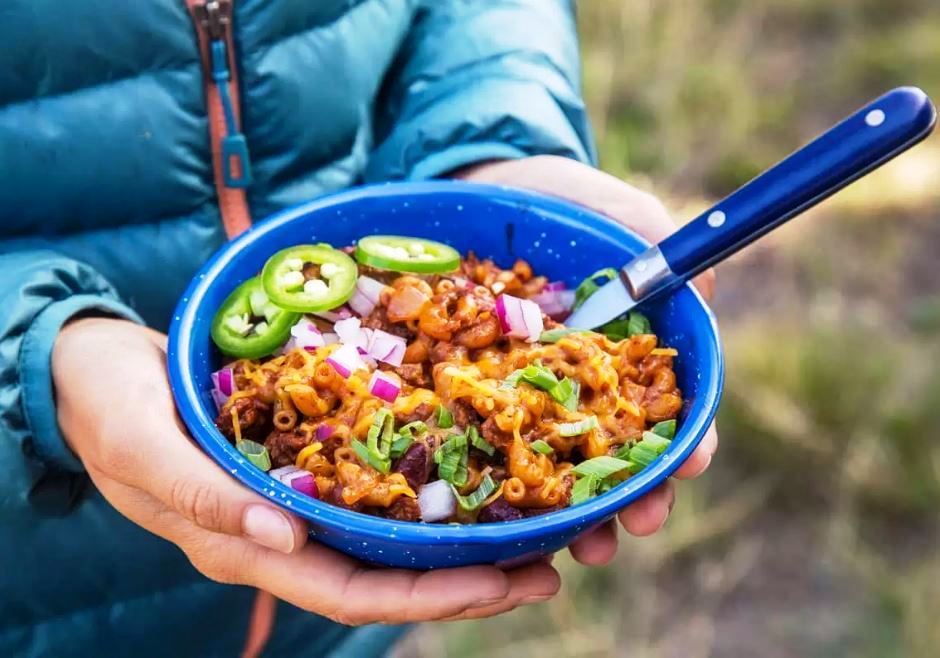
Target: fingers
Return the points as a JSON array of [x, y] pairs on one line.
[[331, 584], [647, 515], [184, 479], [130, 433], [701, 457], [598, 547], [528, 585]]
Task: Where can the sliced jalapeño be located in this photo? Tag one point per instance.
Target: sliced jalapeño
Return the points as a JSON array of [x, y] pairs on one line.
[[248, 325], [401, 254], [309, 278]]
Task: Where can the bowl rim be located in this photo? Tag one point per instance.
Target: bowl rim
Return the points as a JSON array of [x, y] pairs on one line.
[[581, 517]]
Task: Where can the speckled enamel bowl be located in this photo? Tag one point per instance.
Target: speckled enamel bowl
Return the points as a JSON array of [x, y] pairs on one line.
[[561, 240]]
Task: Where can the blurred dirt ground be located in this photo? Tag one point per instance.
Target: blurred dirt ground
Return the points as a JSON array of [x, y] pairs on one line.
[[815, 532]]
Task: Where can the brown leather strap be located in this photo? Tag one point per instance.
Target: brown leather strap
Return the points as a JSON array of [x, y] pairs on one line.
[[260, 624]]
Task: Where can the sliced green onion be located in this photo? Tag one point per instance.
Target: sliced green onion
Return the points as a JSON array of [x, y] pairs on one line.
[[413, 429], [472, 502], [579, 427], [665, 429], [606, 485], [645, 451], [584, 489], [555, 335], [656, 442], [539, 376], [616, 330], [540, 446], [638, 324], [479, 442], [634, 324], [369, 459], [255, 453], [642, 455], [624, 451], [443, 417], [589, 286], [453, 467], [568, 393], [379, 438], [513, 379], [400, 446], [600, 467], [455, 443], [534, 374], [565, 392]]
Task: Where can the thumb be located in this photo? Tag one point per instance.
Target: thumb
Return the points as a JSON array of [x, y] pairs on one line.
[[167, 465]]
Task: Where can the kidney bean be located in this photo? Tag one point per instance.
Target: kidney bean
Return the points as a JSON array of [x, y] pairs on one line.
[[415, 465], [499, 510]]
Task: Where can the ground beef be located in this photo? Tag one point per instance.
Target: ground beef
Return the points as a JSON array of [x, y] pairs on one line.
[[499, 510], [422, 412], [378, 319], [404, 509], [493, 435], [414, 374], [254, 419], [445, 351], [385, 276], [335, 497], [464, 413], [538, 511], [284, 446], [330, 444], [415, 465]]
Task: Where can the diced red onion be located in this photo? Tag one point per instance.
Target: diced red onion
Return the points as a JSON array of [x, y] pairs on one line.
[[224, 380], [223, 385], [330, 338], [219, 398], [461, 282], [386, 347], [371, 288], [532, 317], [436, 501], [384, 386], [350, 332], [366, 296], [324, 432], [286, 347], [521, 318], [336, 314], [297, 479], [555, 302], [554, 286], [361, 304], [306, 334], [345, 360]]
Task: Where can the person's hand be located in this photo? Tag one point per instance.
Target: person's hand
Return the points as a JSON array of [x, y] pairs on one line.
[[116, 411], [643, 213]]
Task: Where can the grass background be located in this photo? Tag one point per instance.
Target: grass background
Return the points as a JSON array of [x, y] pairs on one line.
[[815, 532]]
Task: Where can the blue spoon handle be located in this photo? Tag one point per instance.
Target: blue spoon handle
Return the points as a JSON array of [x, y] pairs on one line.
[[851, 149]]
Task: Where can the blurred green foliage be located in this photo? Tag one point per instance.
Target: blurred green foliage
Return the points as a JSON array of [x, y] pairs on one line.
[[814, 532]]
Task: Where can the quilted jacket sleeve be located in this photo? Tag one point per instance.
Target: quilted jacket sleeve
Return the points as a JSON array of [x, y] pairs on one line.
[[478, 81], [41, 291]]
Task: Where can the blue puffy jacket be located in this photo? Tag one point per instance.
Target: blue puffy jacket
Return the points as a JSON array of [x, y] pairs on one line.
[[114, 190]]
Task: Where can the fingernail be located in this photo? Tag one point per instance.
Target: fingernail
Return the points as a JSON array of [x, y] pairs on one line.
[[268, 527], [536, 598], [485, 602]]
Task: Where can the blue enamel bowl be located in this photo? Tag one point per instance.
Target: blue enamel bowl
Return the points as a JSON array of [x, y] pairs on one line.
[[561, 240]]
